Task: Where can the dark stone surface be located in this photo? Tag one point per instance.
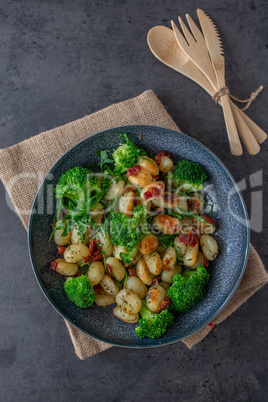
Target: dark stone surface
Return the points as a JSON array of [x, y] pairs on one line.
[[60, 61]]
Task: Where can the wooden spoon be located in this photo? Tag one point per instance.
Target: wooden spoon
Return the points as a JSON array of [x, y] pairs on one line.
[[163, 44]]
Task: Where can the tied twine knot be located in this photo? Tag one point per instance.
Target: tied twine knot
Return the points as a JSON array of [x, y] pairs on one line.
[[225, 91]]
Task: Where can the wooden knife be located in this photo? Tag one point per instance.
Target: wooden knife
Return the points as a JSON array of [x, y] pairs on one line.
[[215, 50]]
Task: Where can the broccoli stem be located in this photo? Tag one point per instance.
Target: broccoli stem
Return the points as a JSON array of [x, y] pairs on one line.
[[187, 274], [145, 312]]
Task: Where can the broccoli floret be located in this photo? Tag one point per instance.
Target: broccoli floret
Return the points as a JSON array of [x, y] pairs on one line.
[[188, 175], [153, 325], [80, 291], [126, 155], [76, 184], [128, 257], [128, 231], [188, 289]]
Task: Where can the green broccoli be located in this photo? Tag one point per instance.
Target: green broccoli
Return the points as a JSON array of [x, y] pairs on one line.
[[128, 257], [188, 289], [128, 231], [188, 175], [153, 325], [76, 184], [126, 155], [80, 291]]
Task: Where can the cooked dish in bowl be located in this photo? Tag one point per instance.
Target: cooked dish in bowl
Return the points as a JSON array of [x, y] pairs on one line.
[[133, 234], [231, 233]]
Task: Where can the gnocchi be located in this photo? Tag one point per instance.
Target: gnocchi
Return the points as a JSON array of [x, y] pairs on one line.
[[137, 286], [123, 316], [128, 301], [154, 262], [148, 244], [209, 247], [109, 285], [96, 272], [127, 203], [166, 224], [148, 164], [140, 179], [118, 271], [190, 256], [58, 238], [103, 299], [115, 190], [155, 297], [76, 252], [143, 272], [65, 268], [169, 258], [104, 243]]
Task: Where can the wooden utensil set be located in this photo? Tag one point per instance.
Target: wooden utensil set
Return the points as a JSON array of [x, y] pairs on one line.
[[199, 56]]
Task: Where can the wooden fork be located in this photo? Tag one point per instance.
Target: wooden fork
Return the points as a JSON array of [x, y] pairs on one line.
[[193, 44]]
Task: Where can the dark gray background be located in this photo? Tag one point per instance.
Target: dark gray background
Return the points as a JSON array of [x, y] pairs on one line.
[[61, 60]]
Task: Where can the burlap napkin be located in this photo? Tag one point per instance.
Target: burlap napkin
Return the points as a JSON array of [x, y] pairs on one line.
[[23, 167]]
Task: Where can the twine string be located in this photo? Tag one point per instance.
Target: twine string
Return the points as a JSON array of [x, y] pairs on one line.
[[225, 91]]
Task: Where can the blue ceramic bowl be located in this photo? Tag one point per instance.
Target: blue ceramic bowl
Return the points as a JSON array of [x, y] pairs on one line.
[[232, 236]]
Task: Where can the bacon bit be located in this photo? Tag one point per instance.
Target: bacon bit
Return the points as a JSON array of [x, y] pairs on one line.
[[153, 193], [156, 280], [164, 304], [133, 171], [206, 262], [98, 288], [92, 246], [53, 265], [191, 238], [158, 157], [109, 268], [61, 249], [94, 253], [175, 229], [132, 272], [208, 219], [155, 177]]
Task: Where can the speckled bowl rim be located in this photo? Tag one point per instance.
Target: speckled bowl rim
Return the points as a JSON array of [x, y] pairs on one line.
[[203, 323]]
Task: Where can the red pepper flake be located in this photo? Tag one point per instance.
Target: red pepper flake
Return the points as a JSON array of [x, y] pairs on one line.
[[61, 249], [191, 239], [53, 265], [133, 171], [158, 157], [211, 325], [208, 219]]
